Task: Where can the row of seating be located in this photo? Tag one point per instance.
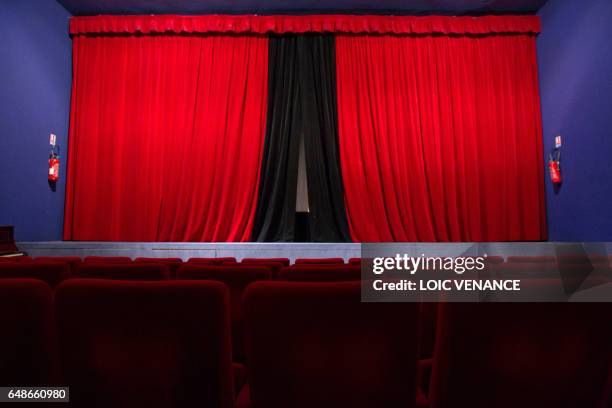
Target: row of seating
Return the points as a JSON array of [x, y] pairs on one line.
[[168, 344]]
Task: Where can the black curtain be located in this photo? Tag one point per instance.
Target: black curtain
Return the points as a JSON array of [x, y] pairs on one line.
[[301, 99]]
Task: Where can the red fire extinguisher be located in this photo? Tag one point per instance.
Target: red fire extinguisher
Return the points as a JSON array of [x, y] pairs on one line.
[[54, 163], [554, 167]]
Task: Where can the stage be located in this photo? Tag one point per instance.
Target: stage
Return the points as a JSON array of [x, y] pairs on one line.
[[186, 250], [291, 250]]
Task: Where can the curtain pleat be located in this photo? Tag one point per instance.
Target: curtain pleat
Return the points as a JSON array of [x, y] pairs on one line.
[[302, 101], [440, 138], [275, 214], [166, 137]]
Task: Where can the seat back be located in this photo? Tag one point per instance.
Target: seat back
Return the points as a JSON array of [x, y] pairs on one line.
[[107, 259], [522, 354], [237, 278], [11, 259], [283, 261], [71, 261], [317, 345], [145, 344], [27, 353], [319, 261], [274, 267], [214, 261], [172, 263], [130, 271], [320, 273], [52, 272]]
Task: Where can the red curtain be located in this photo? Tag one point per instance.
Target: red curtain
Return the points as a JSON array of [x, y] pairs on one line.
[[331, 23], [440, 137], [166, 137]]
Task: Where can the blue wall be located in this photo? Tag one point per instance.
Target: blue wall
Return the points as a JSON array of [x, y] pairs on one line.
[[575, 62], [35, 75]]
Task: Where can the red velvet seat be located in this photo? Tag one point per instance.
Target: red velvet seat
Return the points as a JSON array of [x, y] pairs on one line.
[[493, 259], [283, 261], [107, 259], [237, 278], [145, 344], [27, 352], [354, 261], [72, 261], [130, 271], [531, 259], [172, 263], [320, 273], [214, 261], [274, 267], [316, 345], [52, 272], [318, 261], [522, 355], [15, 259]]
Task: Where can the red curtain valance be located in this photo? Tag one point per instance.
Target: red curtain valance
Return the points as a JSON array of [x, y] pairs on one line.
[[302, 24]]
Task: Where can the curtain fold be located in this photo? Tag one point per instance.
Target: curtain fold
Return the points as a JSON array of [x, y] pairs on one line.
[[302, 102], [275, 214], [166, 137], [317, 67], [440, 138], [285, 24]]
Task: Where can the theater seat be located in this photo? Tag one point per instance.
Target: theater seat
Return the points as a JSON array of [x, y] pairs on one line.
[[107, 259], [27, 352], [316, 345], [172, 263], [531, 259], [72, 261], [214, 261], [145, 344], [283, 261], [51, 272], [131, 271], [320, 273], [274, 267], [237, 278], [318, 261], [522, 355], [354, 261], [15, 259]]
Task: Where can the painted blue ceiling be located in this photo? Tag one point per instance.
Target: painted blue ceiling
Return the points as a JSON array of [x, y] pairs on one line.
[[417, 7]]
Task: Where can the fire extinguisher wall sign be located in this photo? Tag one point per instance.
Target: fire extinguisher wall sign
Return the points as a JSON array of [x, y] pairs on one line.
[[54, 160]]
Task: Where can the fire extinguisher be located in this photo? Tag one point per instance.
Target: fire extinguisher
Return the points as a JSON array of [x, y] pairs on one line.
[[554, 166], [54, 163]]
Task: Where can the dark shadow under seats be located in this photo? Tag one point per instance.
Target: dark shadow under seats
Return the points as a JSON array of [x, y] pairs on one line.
[[145, 344], [522, 355], [27, 342], [316, 345], [130, 271], [320, 273], [52, 272], [318, 261], [237, 278]]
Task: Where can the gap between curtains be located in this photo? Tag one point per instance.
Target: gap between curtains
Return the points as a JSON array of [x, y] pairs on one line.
[[301, 100], [440, 138], [166, 137]]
